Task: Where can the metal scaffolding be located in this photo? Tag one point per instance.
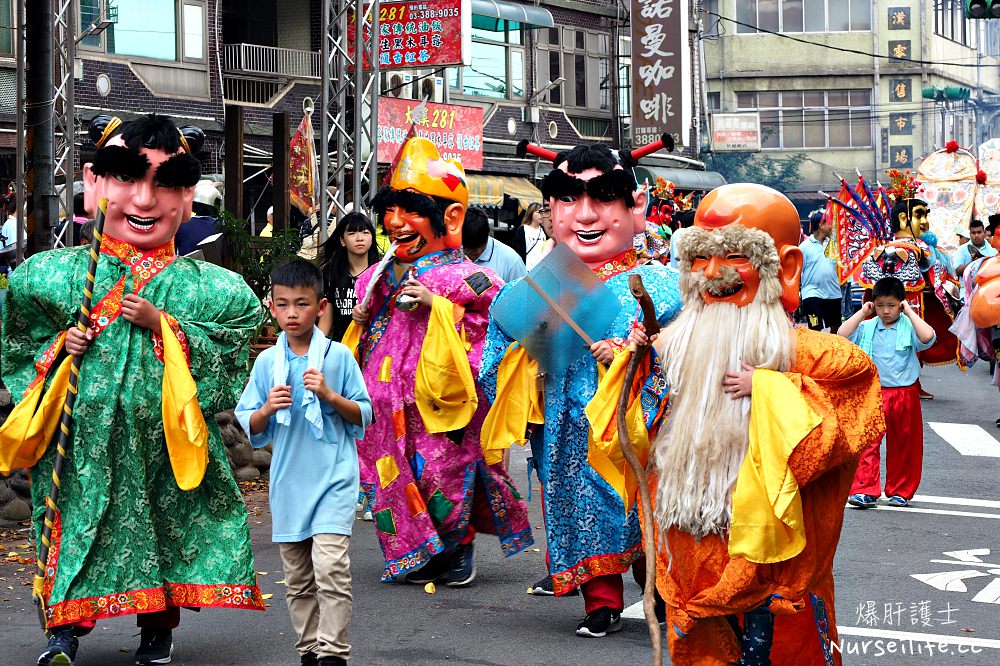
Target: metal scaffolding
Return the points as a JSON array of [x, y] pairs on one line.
[[64, 112], [349, 102]]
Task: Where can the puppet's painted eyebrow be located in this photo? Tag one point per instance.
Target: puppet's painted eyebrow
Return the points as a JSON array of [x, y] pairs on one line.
[[121, 161], [181, 170]]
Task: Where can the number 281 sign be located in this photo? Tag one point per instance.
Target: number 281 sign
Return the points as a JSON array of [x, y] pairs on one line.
[[420, 33]]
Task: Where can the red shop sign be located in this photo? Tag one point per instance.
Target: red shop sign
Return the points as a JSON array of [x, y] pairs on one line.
[[457, 131], [421, 33]]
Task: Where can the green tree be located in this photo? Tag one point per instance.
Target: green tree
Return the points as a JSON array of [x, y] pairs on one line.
[[780, 174]]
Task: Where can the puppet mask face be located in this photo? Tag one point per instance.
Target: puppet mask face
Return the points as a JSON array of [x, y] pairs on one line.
[[917, 224], [731, 278], [142, 211], [413, 234], [749, 206], [597, 231]]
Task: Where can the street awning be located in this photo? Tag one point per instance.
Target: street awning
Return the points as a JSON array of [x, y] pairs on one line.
[[683, 179], [486, 15], [489, 190]]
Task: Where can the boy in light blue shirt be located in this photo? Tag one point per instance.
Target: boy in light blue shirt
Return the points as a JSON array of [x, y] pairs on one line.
[[892, 340], [306, 396]]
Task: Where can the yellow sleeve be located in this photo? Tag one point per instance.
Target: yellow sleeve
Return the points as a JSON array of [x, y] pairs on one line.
[[445, 389], [604, 451], [184, 425], [518, 403], [767, 524]]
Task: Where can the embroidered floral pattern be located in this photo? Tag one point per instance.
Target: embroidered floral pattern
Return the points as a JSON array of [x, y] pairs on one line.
[[618, 265], [155, 599], [599, 565]]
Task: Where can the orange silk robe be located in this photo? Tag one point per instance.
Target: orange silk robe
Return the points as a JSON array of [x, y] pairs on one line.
[[703, 585]]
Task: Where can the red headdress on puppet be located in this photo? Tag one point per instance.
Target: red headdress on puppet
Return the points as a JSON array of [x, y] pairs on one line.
[[147, 171], [597, 206], [423, 206], [755, 231]]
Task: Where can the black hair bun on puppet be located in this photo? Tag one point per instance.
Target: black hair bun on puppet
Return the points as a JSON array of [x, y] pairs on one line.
[[194, 137], [102, 127]]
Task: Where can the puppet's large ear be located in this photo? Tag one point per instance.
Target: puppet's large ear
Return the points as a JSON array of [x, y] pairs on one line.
[[102, 127], [192, 138]]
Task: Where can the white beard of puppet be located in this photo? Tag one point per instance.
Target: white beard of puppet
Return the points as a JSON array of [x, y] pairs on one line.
[[699, 453]]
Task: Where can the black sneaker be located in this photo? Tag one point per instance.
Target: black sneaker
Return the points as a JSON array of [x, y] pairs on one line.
[[600, 623], [545, 588], [332, 661], [436, 568], [463, 567], [61, 650], [309, 659], [155, 647]]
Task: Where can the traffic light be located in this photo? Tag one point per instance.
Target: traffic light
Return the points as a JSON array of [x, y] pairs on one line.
[[982, 9], [952, 93]]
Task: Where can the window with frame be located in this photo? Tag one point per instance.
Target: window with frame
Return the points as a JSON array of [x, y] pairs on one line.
[[583, 57], [154, 29], [803, 15], [950, 22], [497, 68], [7, 33], [799, 119]]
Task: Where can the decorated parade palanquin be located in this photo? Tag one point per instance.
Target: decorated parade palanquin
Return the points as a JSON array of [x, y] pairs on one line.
[[881, 232]]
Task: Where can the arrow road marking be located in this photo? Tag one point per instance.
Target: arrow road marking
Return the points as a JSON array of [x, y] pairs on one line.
[[949, 581], [968, 439]]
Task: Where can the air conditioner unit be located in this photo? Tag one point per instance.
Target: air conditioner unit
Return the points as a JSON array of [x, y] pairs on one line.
[[432, 89], [400, 84]]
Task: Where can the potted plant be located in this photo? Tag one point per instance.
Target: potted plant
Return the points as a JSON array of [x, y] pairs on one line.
[[253, 257]]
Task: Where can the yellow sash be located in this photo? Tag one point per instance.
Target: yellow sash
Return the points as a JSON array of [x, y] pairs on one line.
[[352, 338], [518, 403], [183, 421], [767, 524], [445, 390], [604, 451], [29, 428]]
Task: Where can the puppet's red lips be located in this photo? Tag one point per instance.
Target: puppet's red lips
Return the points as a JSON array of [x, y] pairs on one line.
[[724, 292], [141, 223], [405, 237]]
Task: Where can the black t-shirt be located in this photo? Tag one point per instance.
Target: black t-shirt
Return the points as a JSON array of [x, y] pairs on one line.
[[342, 298]]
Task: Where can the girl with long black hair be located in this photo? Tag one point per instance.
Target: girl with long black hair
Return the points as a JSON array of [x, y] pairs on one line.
[[348, 252]]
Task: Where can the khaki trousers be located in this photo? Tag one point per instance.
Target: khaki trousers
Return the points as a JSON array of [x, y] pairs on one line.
[[318, 584]]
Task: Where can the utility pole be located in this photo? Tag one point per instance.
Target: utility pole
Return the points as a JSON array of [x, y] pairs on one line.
[[40, 110]]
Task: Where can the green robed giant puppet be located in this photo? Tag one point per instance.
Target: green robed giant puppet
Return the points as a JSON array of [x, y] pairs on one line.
[[149, 516]]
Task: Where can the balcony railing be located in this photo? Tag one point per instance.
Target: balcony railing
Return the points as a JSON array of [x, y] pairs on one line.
[[270, 61]]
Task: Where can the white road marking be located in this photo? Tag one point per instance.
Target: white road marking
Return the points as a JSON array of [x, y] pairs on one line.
[[957, 501], [971, 555], [918, 637], [948, 581], [968, 439], [634, 612], [942, 512], [989, 594]]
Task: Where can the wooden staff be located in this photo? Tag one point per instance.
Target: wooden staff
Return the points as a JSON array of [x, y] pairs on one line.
[[66, 420], [652, 327]]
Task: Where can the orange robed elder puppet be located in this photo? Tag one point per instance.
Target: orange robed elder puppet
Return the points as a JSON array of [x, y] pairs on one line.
[[756, 461]]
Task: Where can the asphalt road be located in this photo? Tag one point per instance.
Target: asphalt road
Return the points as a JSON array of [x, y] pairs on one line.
[[944, 617]]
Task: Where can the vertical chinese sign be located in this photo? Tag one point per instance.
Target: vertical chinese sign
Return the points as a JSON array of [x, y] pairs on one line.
[[661, 71]]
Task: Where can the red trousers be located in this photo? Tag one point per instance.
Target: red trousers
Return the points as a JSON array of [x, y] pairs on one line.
[[164, 619], [604, 592], [904, 447]]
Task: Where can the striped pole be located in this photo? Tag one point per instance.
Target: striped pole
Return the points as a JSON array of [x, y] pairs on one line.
[[66, 420]]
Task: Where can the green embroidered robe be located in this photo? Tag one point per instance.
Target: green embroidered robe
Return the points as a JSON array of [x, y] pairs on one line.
[[127, 539]]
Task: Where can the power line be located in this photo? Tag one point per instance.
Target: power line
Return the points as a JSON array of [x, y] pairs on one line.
[[839, 48]]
